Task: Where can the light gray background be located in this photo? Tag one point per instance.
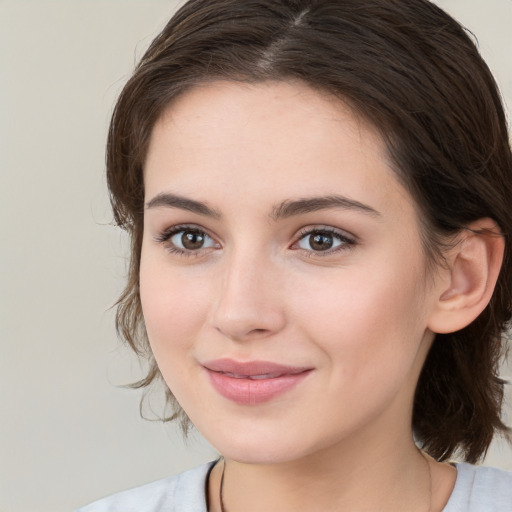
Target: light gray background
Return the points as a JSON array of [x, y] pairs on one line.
[[68, 433]]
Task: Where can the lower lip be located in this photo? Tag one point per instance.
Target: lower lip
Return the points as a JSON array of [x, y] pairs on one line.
[[254, 391]]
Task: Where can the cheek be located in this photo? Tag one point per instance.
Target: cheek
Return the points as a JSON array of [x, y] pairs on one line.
[[174, 315], [368, 321], [173, 308]]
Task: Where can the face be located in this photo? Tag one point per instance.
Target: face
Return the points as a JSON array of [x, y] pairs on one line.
[[282, 274]]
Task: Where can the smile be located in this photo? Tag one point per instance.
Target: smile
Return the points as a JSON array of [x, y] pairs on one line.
[[253, 382], [254, 377]]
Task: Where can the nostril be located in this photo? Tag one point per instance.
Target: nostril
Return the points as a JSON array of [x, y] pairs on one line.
[[244, 311], [238, 333]]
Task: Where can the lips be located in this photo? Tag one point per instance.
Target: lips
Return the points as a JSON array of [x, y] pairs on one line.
[[253, 382]]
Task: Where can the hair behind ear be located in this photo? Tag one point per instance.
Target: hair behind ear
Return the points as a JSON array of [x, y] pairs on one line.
[[472, 267], [459, 385]]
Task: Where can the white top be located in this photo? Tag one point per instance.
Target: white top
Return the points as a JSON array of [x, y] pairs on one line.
[[477, 489]]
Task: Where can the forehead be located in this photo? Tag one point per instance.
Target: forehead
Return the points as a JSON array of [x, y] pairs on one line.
[[269, 112], [268, 139]]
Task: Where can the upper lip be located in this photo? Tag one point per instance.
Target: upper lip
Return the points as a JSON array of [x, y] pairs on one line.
[[263, 369]]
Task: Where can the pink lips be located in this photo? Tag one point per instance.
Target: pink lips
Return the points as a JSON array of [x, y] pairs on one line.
[[253, 382]]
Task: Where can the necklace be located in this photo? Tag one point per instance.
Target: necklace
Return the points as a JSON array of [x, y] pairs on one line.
[[429, 481], [221, 487]]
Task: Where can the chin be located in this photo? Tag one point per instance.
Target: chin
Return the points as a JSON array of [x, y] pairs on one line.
[[257, 455], [258, 447]]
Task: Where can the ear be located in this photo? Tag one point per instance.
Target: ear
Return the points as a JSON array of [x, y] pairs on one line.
[[467, 284]]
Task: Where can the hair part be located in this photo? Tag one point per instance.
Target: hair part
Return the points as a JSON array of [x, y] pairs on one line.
[[411, 71]]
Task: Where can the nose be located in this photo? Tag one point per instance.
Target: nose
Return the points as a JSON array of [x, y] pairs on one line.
[[249, 304]]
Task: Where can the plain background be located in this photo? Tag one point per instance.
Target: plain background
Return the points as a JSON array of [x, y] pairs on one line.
[[68, 433]]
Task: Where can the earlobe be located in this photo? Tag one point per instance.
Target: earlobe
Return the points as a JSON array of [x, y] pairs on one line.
[[473, 267]]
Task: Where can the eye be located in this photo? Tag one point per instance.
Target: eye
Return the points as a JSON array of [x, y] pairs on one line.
[[323, 240], [183, 240], [191, 240]]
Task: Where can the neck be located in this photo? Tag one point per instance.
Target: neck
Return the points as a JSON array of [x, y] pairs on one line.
[[394, 479]]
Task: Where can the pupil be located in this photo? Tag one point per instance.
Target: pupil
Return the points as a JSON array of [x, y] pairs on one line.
[[192, 240], [321, 242]]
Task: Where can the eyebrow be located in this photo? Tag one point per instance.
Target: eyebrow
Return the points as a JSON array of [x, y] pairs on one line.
[[286, 209], [312, 204], [173, 201]]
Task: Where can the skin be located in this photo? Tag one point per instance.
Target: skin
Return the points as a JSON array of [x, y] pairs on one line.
[[359, 316]]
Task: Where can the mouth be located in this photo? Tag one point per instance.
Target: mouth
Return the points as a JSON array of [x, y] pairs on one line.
[[253, 377], [253, 382]]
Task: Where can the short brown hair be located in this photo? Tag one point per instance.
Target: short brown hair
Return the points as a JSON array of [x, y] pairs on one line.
[[415, 74]]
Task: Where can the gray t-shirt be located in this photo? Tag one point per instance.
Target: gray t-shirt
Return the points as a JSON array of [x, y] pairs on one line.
[[477, 489]]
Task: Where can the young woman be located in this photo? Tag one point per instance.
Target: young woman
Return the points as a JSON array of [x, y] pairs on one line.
[[318, 195]]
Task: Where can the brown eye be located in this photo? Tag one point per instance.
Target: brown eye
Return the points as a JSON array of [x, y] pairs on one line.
[[189, 240], [192, 240], [320, 241]]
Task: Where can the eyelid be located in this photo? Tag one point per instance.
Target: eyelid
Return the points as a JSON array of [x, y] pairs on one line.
[[349, 240], [325, 228], [165, 236]]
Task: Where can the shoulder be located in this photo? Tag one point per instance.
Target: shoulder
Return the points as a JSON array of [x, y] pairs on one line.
[[481, 489], [184, 492]]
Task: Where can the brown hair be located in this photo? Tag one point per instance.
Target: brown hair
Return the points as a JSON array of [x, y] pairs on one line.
[[413, 72]]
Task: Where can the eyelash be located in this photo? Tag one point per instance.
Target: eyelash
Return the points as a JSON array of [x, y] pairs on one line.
[[346, 241], [166, 235]]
